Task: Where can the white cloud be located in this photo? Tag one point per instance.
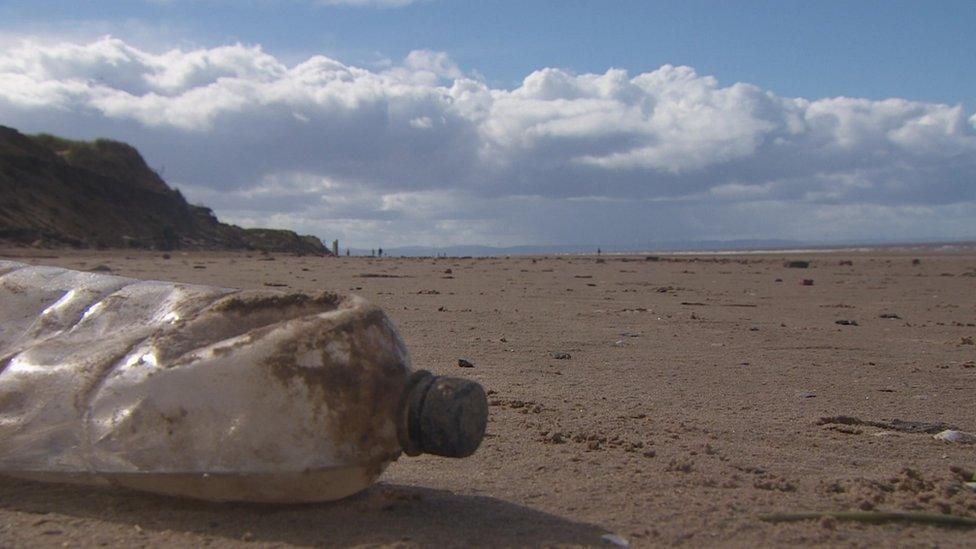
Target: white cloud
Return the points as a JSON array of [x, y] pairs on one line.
[[423, 151]]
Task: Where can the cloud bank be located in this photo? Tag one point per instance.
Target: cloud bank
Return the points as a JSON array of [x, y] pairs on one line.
[[426, 153]]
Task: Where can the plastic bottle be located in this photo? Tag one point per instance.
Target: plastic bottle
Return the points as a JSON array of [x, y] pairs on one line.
[[213, 393]]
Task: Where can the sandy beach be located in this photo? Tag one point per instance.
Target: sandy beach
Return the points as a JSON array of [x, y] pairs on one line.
[[668, 400]]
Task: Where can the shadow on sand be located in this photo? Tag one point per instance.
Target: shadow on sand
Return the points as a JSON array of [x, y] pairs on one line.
[[382, 514]]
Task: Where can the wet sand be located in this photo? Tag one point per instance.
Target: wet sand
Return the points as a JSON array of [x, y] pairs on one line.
[[692, 394]]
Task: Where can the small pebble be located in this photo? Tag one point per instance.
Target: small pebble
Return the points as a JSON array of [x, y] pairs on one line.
[[615, 540], [950, 435]]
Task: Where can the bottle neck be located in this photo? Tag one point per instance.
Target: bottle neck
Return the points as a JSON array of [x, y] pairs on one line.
[[408, 428]]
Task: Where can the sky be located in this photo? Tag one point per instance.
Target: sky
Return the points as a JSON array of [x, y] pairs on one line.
[[445, 122]]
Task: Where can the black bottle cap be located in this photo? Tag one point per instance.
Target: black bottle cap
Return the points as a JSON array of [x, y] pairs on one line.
[[445, 416]]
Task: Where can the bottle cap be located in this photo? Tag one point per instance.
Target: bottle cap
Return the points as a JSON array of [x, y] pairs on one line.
[[445, 416]]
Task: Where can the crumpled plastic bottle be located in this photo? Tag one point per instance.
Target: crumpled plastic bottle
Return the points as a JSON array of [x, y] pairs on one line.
[[213, 393]]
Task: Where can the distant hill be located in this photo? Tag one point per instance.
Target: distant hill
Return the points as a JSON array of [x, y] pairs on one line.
[[670, 246], [101, 194], [678, 246]]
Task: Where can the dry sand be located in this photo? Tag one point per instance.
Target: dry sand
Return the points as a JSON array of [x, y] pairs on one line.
[[690, 404]]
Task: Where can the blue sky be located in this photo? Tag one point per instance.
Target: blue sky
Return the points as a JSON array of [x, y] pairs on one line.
[[544, 132]]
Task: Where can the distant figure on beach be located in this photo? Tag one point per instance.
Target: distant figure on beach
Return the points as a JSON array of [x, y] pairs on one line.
[[381, 252]]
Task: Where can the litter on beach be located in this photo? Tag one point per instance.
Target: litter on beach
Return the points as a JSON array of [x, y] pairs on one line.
[[213, 393]]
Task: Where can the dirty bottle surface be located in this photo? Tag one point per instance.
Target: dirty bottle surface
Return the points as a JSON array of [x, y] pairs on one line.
[[213, 393]]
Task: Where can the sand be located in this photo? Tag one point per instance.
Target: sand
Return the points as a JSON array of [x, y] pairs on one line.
[[699, 393]]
